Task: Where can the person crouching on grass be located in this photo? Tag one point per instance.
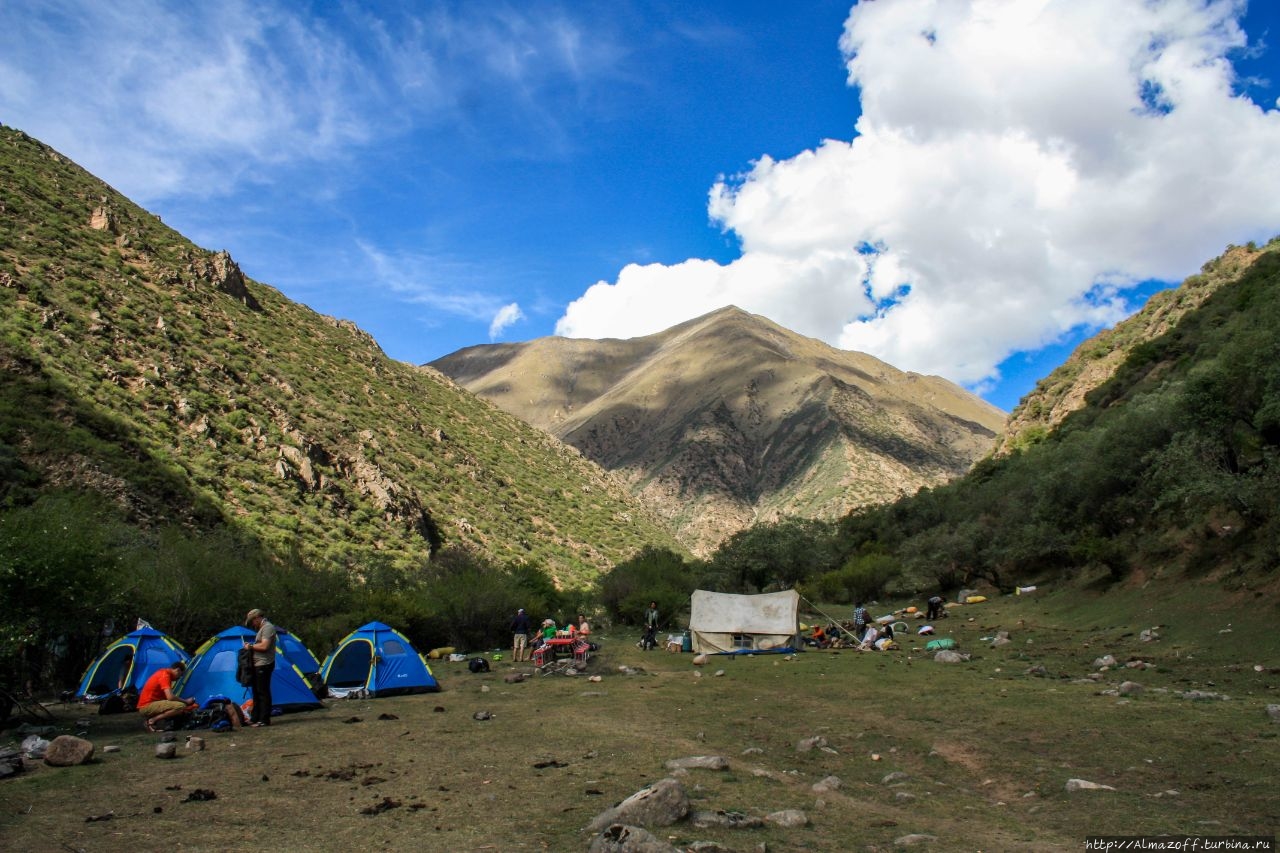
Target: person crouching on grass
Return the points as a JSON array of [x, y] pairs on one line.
[[158, 702]]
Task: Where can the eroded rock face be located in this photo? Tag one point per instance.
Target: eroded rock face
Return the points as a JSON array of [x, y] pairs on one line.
[[223, 273]]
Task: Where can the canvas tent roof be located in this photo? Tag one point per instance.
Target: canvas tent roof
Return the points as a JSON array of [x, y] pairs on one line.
[[725, 623]]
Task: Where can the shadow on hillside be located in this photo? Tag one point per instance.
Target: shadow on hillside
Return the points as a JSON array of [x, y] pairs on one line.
[[51, 436]]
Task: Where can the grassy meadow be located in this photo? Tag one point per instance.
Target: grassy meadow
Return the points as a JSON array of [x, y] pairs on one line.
[[986, 748]]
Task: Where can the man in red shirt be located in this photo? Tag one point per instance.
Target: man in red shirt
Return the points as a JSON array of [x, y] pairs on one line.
[[157, 701]]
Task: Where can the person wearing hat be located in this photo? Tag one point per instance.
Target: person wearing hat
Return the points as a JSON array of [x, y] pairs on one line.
[[520, 636], [264, 665]]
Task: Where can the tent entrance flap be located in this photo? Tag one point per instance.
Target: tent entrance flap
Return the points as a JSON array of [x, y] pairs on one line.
[[352, 665]]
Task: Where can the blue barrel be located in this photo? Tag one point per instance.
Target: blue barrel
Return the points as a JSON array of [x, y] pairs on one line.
[[686, 642]]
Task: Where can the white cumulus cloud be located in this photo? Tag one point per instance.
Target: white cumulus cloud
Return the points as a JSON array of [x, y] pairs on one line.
[[506, 316], [1017, 165]]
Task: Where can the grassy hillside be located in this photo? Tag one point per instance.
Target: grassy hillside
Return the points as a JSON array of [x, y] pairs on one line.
[[1096, 360], [1174, 462], [138, 366]]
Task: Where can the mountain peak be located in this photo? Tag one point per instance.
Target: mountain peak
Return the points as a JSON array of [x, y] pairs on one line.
[[729, 418]]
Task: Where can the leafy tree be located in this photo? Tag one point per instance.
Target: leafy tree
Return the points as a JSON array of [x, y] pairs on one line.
[[654, 574]]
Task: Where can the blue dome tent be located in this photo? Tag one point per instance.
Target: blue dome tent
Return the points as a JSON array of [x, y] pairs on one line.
[[377, 658], [128, 663], [212, 672], [296, 652]]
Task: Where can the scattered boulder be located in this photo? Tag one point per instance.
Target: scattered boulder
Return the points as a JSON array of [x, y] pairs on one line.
[[1000, 641], [787, 819], [724, 820], [1203, 695], [719, 673], [1105, 660], [1130, 688], [167, 750], [482, 715], [1074, 785], [195, 744], [620, 838], [699, 762], [513, 677], [700, 659], [913, 839], [950, 656], [811, 743], [10, 762], [1273, 711], [827, 785], [1038, 671], [661, 804], [894, 777], [1148, 635]]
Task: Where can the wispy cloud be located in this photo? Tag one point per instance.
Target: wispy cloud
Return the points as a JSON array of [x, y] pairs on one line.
[[449, 285], [164, 98]]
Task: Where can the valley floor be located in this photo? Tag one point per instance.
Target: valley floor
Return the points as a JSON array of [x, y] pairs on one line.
[[976, 755]]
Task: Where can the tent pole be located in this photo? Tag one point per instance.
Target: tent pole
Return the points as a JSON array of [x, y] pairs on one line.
[[835, 622]]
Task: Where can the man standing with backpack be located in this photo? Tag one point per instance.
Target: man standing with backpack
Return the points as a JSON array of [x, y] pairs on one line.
[[264, 666]]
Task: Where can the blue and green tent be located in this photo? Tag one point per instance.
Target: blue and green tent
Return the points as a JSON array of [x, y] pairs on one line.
[[212, 673], [377, 658], [128, 663]]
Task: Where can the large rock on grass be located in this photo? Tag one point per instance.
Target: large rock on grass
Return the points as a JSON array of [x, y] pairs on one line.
[[661, 804], [68, 751]]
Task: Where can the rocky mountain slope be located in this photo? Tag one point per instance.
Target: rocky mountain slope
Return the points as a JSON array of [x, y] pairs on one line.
[[139, 366], [1096, 360], [729, 419]]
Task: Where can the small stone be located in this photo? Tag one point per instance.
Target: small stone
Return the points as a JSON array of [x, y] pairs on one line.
[[811, 743], [195, 744], [831, 783], [719, 673], [1074, 785], [1130, 688], [787, 819], [167, 750], [895, 776], [110, 748], [702, 762], [482, 715], [1273, 711], [875, 756], [913, 839]]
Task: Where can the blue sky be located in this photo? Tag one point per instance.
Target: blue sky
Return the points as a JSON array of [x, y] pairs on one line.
[[967, 189]]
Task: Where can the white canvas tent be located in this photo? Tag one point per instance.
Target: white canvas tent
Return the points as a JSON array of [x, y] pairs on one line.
[[721, 622]]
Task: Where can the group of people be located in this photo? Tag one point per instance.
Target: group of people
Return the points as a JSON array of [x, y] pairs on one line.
[[159, 701], [525, 640], [866, 634]]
